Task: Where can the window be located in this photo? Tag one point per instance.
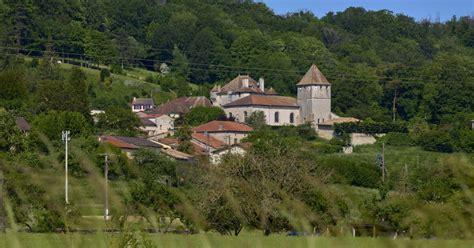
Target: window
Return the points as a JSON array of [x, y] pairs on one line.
[[230, 115], [277, 117], [161, 127], [245, 114], [318, 120], [292, 118], [236, 141]]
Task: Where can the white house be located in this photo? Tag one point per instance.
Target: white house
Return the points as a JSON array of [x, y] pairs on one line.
[[278, 110], [156, 124], [142, 104], [229, 132]]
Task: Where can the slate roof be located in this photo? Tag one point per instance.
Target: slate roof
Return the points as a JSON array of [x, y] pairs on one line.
[[314, 77], [138, 141], [22, 124], [236, 85], [222, 126], [264, 100], [181, 105], [147, 122], [142, 101]]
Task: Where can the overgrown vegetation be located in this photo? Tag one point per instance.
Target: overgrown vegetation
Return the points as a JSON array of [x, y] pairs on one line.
[[410, 79]]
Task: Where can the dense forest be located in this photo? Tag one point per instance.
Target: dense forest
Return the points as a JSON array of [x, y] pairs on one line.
[[413, 80], [382, 65]]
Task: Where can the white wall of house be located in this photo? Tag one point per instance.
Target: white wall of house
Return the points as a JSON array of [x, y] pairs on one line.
[[163, 123], [270, 114], [362, 139], [140, 107], [325, 132], [229, 138]]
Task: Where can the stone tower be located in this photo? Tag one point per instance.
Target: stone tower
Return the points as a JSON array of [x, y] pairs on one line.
[[314, 97]]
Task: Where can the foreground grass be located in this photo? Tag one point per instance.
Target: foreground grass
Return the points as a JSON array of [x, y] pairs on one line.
[[214, 240]]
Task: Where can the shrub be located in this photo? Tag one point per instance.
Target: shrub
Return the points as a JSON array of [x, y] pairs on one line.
[[397, 139]]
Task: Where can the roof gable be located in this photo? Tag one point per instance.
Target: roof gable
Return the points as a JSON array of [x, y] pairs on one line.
[[236, 84], [223, 126], [314, 77]]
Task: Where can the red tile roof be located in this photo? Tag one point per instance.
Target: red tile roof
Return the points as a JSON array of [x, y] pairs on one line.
[[181, 105], [264, 100], [223, 126], [313, 77], [236, 84], [117, 142], [208, 140]]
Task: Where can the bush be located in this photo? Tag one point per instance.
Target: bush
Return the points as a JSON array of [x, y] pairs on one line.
[[104, 74], [437, 141], [397, 139]]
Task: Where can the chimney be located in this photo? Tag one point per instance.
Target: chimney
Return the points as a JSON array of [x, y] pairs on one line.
[[245, 83], [221, 127], [261, 84]]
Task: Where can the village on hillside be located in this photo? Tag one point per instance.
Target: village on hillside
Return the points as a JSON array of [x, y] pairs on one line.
[[239, 98]]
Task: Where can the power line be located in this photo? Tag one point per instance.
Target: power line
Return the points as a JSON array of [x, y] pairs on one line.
[[236, 69]]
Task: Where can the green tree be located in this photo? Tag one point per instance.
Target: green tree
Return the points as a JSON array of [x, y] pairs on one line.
[[53, 123], [256, 119], [201, 114], [119, 120], [13, 83], [180, 63], [184, 135], [99, 48]]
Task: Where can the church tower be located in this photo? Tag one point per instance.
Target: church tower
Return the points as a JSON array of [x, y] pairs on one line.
[[314, 97]]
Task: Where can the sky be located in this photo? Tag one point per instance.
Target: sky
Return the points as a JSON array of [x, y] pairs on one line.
[[420, 9]]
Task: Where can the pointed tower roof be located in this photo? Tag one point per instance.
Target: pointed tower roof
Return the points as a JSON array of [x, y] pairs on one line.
[[313, 77]]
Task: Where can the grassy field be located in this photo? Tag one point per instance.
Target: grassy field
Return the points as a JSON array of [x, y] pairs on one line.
[[215, 240]]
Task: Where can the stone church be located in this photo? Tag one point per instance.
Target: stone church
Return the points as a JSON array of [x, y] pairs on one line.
[[243, 95]]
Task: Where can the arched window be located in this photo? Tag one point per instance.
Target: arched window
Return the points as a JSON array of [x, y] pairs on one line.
[[277, 117], [230, 115], [245, 114], [292, 118]]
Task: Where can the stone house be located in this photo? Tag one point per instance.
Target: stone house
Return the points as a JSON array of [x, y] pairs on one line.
[[243, 95], [278, 110], [228, 132], [156, 124]]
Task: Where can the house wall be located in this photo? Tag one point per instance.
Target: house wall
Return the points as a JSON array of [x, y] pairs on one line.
[[362, 139], [284, 114], [140, 107], [163, 123], [325, 132], [222, 99], [228, 138]]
